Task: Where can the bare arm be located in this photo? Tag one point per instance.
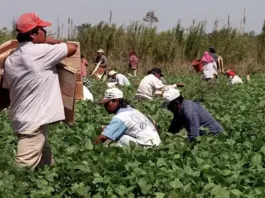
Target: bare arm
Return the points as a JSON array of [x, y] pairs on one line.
[[71, 48]]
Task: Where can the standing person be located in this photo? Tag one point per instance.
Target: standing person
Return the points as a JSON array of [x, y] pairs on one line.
[[133, 62], [35, 95], [103, 63], [188, 114], [128, 124], [84, 65], [233, 78], [209, 67], [217, 58], [119, 78], [152, 83]]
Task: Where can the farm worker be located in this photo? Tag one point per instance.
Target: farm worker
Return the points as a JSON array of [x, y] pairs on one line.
[[119, 78], [209, 67], [32, 79], [217, 58], [213, 54], [151, 83], [233, 78], [128, 124], [103, 62], [84, 65], [133, 62], [188, 114]]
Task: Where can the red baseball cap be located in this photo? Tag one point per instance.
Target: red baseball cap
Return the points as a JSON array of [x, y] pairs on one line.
[[29, 21], [230, 73]]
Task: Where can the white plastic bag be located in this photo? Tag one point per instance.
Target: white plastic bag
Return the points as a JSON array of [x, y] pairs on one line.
[[87, 94]]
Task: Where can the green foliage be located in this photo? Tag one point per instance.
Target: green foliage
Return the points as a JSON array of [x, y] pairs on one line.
[[229, 165]]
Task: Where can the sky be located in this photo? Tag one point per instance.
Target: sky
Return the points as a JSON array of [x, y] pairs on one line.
[[124, 11]]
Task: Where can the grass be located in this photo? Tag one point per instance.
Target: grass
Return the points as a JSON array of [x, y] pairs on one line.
[[172, 50]]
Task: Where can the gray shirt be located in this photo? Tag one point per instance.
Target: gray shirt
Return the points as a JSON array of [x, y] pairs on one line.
[[192, 117]]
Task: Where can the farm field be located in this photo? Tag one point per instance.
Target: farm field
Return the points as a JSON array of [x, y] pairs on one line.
[[227, 166]]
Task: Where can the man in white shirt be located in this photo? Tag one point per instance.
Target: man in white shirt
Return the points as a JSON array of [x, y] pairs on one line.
[[32, 79], [119, 78], [128, 124], [152, 83], [233, 78]]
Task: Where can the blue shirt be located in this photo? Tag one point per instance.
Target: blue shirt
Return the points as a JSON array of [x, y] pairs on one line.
[[192, 117], [116, 127]]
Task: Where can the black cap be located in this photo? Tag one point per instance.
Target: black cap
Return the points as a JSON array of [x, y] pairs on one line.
[[157, 70]]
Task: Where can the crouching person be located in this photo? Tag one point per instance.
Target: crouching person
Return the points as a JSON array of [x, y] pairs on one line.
[[233, 78], [188, 114], [128, 124]]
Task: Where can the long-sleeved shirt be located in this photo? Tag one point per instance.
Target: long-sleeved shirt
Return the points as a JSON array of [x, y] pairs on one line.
[[149, 85], [104, 61], [209, 70], [192, 117], [234, 80]]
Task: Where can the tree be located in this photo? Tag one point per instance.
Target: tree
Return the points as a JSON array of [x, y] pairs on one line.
[[150, 18]]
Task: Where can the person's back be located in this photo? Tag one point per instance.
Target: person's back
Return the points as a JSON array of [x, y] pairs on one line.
[[122, 80], [34, 85], [139, 127], [200, 117], [146, 87]]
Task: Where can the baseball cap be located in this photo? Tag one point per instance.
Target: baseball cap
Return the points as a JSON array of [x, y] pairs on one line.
[[169, 95], [112, 93], [100, 51], [230, 73], [29, 21], [112, 72], [156, 70]]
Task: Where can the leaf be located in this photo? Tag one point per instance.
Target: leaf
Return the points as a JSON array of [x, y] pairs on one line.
[[89, 145], [262, 150], [161, 162], [256, 159], [160, 195], [97, 180], [176, 184], [236, 192]]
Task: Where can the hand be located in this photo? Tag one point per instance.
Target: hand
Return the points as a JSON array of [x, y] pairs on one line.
[[180, 84], [103, 127]]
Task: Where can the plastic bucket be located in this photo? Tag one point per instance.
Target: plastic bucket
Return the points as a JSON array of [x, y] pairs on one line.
[[197, 65]]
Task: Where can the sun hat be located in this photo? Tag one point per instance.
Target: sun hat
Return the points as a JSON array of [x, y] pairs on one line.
[[29, 21], [112, 72], [100, 51], [110, 94], [169, 95]]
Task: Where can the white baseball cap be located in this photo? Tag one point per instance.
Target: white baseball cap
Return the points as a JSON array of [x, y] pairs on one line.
[[100, 51], [170, 95], [112, 72], [112, 93]]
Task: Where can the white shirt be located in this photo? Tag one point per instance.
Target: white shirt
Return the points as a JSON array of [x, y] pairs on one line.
[[234, 80], [149, 85], [209, 70], [122, 80], [131, 122], [31, 76]]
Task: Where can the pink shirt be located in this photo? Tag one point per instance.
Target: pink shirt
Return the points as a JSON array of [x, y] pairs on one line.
[[134, 61], [84, 64]]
